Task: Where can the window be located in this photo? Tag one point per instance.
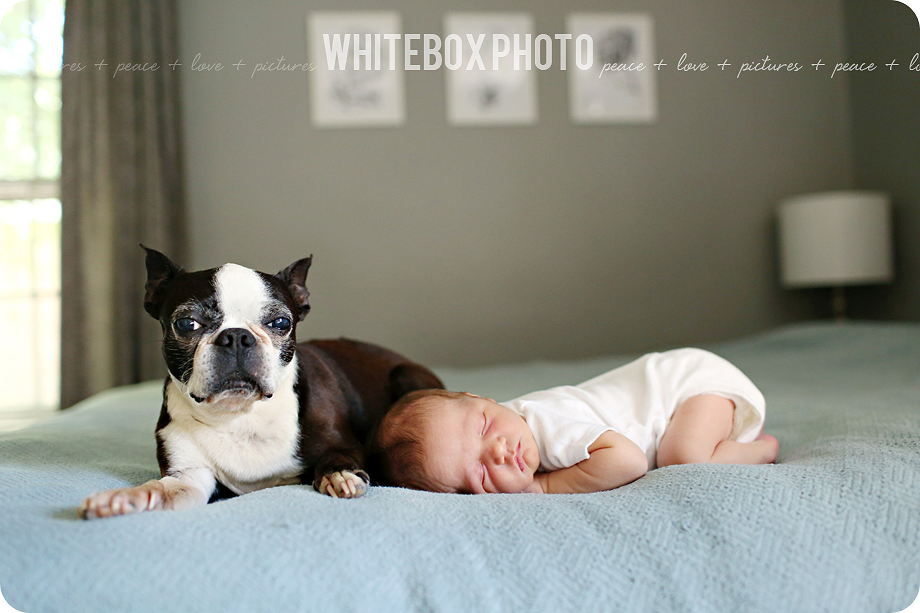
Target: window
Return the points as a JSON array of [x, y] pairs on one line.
[[31, 43]]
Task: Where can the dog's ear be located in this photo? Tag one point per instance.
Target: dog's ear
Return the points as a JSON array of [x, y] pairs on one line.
[[160, 271], [295, 277]]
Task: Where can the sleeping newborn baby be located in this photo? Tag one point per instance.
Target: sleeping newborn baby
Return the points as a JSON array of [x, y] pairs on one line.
[[677, 407]]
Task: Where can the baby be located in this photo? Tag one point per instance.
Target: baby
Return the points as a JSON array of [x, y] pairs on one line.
[[677, 407]]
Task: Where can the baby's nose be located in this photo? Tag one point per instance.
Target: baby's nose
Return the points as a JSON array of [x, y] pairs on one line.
[[500, 450]]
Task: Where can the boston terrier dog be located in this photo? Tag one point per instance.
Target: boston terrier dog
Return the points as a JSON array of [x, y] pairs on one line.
[[244, 406]]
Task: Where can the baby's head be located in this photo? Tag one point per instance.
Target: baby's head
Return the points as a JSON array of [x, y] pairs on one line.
[[444, 441]]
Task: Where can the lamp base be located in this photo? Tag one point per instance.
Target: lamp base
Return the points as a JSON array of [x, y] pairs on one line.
[[839, 303]]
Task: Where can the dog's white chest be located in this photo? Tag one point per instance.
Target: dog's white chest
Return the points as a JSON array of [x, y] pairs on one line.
[[246, 452]]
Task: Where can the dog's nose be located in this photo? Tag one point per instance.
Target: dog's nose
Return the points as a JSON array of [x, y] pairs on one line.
[[235, 338]]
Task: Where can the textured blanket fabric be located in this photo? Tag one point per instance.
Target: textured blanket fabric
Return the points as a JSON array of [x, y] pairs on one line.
[[833, 526]]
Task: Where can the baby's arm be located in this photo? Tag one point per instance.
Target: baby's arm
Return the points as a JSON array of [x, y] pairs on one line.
[[613, 460]]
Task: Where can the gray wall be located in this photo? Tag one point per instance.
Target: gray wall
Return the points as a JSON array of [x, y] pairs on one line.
[[480, 245], [886, 141]]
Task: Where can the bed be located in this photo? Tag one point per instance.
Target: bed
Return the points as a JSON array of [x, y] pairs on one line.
[[833, 526]]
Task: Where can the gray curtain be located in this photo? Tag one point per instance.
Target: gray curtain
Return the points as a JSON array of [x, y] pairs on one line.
[[121, 184]]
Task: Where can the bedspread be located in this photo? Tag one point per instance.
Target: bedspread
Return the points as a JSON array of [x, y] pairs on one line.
[[833, 526]]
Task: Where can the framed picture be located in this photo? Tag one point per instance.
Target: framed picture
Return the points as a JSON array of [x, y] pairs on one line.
[[355, 83], [620, 85], [489, 92]]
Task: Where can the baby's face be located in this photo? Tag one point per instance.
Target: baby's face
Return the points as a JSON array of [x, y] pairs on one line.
[[477, 446]]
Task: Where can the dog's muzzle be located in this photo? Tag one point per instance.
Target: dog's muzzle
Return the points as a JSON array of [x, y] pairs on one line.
[[237, 363]]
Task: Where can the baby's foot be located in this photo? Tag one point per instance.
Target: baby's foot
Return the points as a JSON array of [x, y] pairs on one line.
[[770, 446]]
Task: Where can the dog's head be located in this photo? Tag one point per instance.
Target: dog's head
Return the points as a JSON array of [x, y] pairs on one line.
[[228, 332]]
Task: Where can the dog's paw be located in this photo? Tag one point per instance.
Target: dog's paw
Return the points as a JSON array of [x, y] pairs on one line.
[[124, 501], [344, 484]]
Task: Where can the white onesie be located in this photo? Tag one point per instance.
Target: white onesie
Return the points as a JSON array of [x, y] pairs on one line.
[[637, 401]]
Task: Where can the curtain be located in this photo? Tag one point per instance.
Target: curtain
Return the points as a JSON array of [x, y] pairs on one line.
[[121, 185]]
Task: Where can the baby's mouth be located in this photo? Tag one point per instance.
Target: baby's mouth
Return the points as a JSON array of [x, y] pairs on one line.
[[519, 457]]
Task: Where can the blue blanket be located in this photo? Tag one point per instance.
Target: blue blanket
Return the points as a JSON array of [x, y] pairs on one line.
[[833, 526]]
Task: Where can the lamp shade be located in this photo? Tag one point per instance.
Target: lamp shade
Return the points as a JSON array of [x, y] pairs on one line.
[[835, 239]]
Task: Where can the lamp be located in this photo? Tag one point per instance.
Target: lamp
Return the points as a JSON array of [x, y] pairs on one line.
[[835, 239]]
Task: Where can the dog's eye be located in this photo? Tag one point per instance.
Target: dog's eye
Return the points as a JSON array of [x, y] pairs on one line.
[[187, 324], [282, 324]]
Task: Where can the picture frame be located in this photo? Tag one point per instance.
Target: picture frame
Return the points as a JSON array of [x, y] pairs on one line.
[[624, 93], [348, 92], [484, 95]]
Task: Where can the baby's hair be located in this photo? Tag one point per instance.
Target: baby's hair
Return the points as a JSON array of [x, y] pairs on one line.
[[397, 446]]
